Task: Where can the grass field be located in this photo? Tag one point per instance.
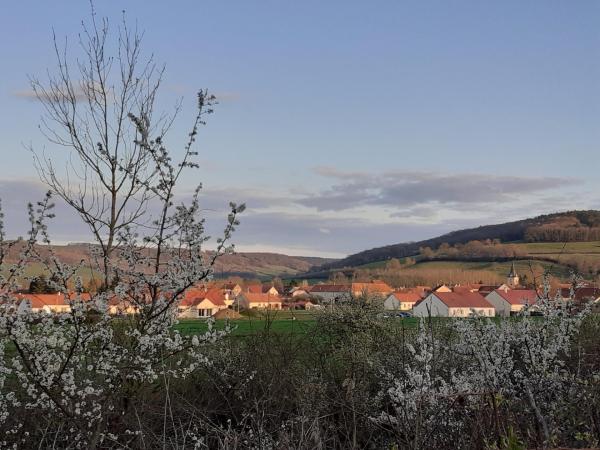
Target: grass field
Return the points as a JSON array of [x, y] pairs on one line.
[[553, 250], [541, 248], [276, 322], [500, 268]]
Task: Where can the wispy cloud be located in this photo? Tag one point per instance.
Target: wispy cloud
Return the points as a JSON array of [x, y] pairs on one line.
[[31, 95], [405, 189]]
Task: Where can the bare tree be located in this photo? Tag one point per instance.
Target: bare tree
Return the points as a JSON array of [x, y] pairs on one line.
[[88, 106]]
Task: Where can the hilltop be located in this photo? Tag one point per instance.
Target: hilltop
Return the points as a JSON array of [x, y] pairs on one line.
[[249, 265], [541, 238]]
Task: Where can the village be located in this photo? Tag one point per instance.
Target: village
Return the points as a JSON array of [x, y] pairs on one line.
[[226, 300]]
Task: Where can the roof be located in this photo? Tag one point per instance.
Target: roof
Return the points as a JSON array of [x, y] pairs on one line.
[[195, 296], [38, 301], [518, 296], [466, 288], [487, 288], [255, 288], [330, 288], [261, 298], [407, 297], [462, 299], [582, 293]]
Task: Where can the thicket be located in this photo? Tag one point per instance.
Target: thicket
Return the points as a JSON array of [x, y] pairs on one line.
[[358, 380]]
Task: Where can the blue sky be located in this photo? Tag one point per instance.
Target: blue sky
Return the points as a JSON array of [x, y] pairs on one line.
[[346, 125]]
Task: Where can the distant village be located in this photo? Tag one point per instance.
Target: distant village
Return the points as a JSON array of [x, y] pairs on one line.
[[227, 299]]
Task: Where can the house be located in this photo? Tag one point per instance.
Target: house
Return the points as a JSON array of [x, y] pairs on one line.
[[453, 304], [331, 292], [271, 290], [254, 288], [301, 304], [401, 301], [202, 303], [441, 288], [249, 300], [50, 303], [233, 289], [581, 295], [485, 289], [508, 302], [299, 292], [466, 288], [118, 306]]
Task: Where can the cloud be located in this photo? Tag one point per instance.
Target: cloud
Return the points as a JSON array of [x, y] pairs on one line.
[[277, 220], [405, 189], [31, 95], [305, 231]]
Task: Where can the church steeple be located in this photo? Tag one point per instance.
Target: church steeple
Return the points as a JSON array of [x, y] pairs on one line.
[[512, 279]]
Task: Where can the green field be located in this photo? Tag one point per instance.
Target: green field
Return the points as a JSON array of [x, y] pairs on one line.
[[500, 268], [572, 248], [547, 250], [276, 322]]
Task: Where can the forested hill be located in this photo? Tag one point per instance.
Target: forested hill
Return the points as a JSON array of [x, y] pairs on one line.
[[567, 226], [250, 264]]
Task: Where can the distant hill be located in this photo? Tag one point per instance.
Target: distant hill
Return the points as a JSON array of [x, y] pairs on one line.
[[570, 226], [251, 265]]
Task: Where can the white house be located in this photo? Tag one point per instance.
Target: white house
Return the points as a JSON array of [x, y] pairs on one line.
[[271, 290], [508, 302], [401, 301], [248, 300], [453, 304], [200, 303], [331, 292]]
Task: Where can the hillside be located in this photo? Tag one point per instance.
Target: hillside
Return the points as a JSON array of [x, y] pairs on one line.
[[253, 264], [570, 226]]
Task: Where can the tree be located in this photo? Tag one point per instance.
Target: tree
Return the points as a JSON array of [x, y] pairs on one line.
[[41, 285], [100, 107], [148, 259], [393, 265], [426, 252]]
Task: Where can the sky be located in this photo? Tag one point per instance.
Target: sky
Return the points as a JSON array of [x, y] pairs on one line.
[[343, 125]]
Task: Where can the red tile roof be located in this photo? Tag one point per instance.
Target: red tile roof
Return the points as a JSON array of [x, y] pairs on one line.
[[582, 293], [255, 288], [407, 297], [261, 298], [38, 301], [463, 300], [518, 296], [330, 288], [194, 296]]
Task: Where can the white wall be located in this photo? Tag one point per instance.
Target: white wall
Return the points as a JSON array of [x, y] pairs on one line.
[[431, 306], [501, 306]]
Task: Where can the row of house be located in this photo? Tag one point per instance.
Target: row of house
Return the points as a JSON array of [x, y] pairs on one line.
[[504, 300], [459, 301], [500, 302]]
